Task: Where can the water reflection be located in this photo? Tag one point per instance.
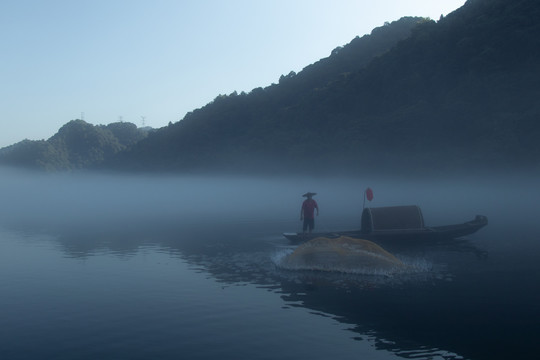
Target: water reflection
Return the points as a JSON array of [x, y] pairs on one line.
[[469, 295], [398, 314]]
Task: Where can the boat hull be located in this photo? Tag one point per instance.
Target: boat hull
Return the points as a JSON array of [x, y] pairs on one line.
[[402, 235]]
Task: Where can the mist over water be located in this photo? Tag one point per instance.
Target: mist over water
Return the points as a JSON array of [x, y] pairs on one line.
[[77, 245], [102, 200]]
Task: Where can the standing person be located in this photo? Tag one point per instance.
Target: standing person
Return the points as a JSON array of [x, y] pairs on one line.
[[307, 212]]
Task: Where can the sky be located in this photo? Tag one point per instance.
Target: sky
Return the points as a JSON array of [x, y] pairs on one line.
[[150, 62]]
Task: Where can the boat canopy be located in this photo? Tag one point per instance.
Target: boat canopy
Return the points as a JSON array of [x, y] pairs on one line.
[[406, 217]]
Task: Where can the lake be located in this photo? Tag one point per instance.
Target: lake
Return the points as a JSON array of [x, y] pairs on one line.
[[147, 267]]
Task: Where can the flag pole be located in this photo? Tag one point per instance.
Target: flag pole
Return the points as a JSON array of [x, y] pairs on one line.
[[369, 194], [364, 204]]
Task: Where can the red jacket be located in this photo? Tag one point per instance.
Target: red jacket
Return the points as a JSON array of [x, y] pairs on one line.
[[308, 208]]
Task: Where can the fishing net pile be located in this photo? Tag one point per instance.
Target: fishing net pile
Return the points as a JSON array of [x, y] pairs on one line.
[[342, 254]]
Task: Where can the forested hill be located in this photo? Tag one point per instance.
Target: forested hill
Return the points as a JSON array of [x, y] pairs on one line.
[[216, 136], [77, 145], [253, 131], [415, 95], [457, 93]]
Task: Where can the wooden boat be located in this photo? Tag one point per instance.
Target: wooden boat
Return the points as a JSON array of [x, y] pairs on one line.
[[398, 223]]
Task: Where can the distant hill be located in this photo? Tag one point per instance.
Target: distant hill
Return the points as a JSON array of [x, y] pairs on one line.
[[76, 145], [415, 95]]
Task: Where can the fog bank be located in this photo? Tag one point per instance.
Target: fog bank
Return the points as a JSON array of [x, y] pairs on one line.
[[55, 202]]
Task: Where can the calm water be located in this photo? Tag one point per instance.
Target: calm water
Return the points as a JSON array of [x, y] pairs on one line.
[[103, 267]]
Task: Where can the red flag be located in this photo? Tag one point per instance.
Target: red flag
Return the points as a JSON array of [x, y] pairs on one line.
[[369, 194]]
